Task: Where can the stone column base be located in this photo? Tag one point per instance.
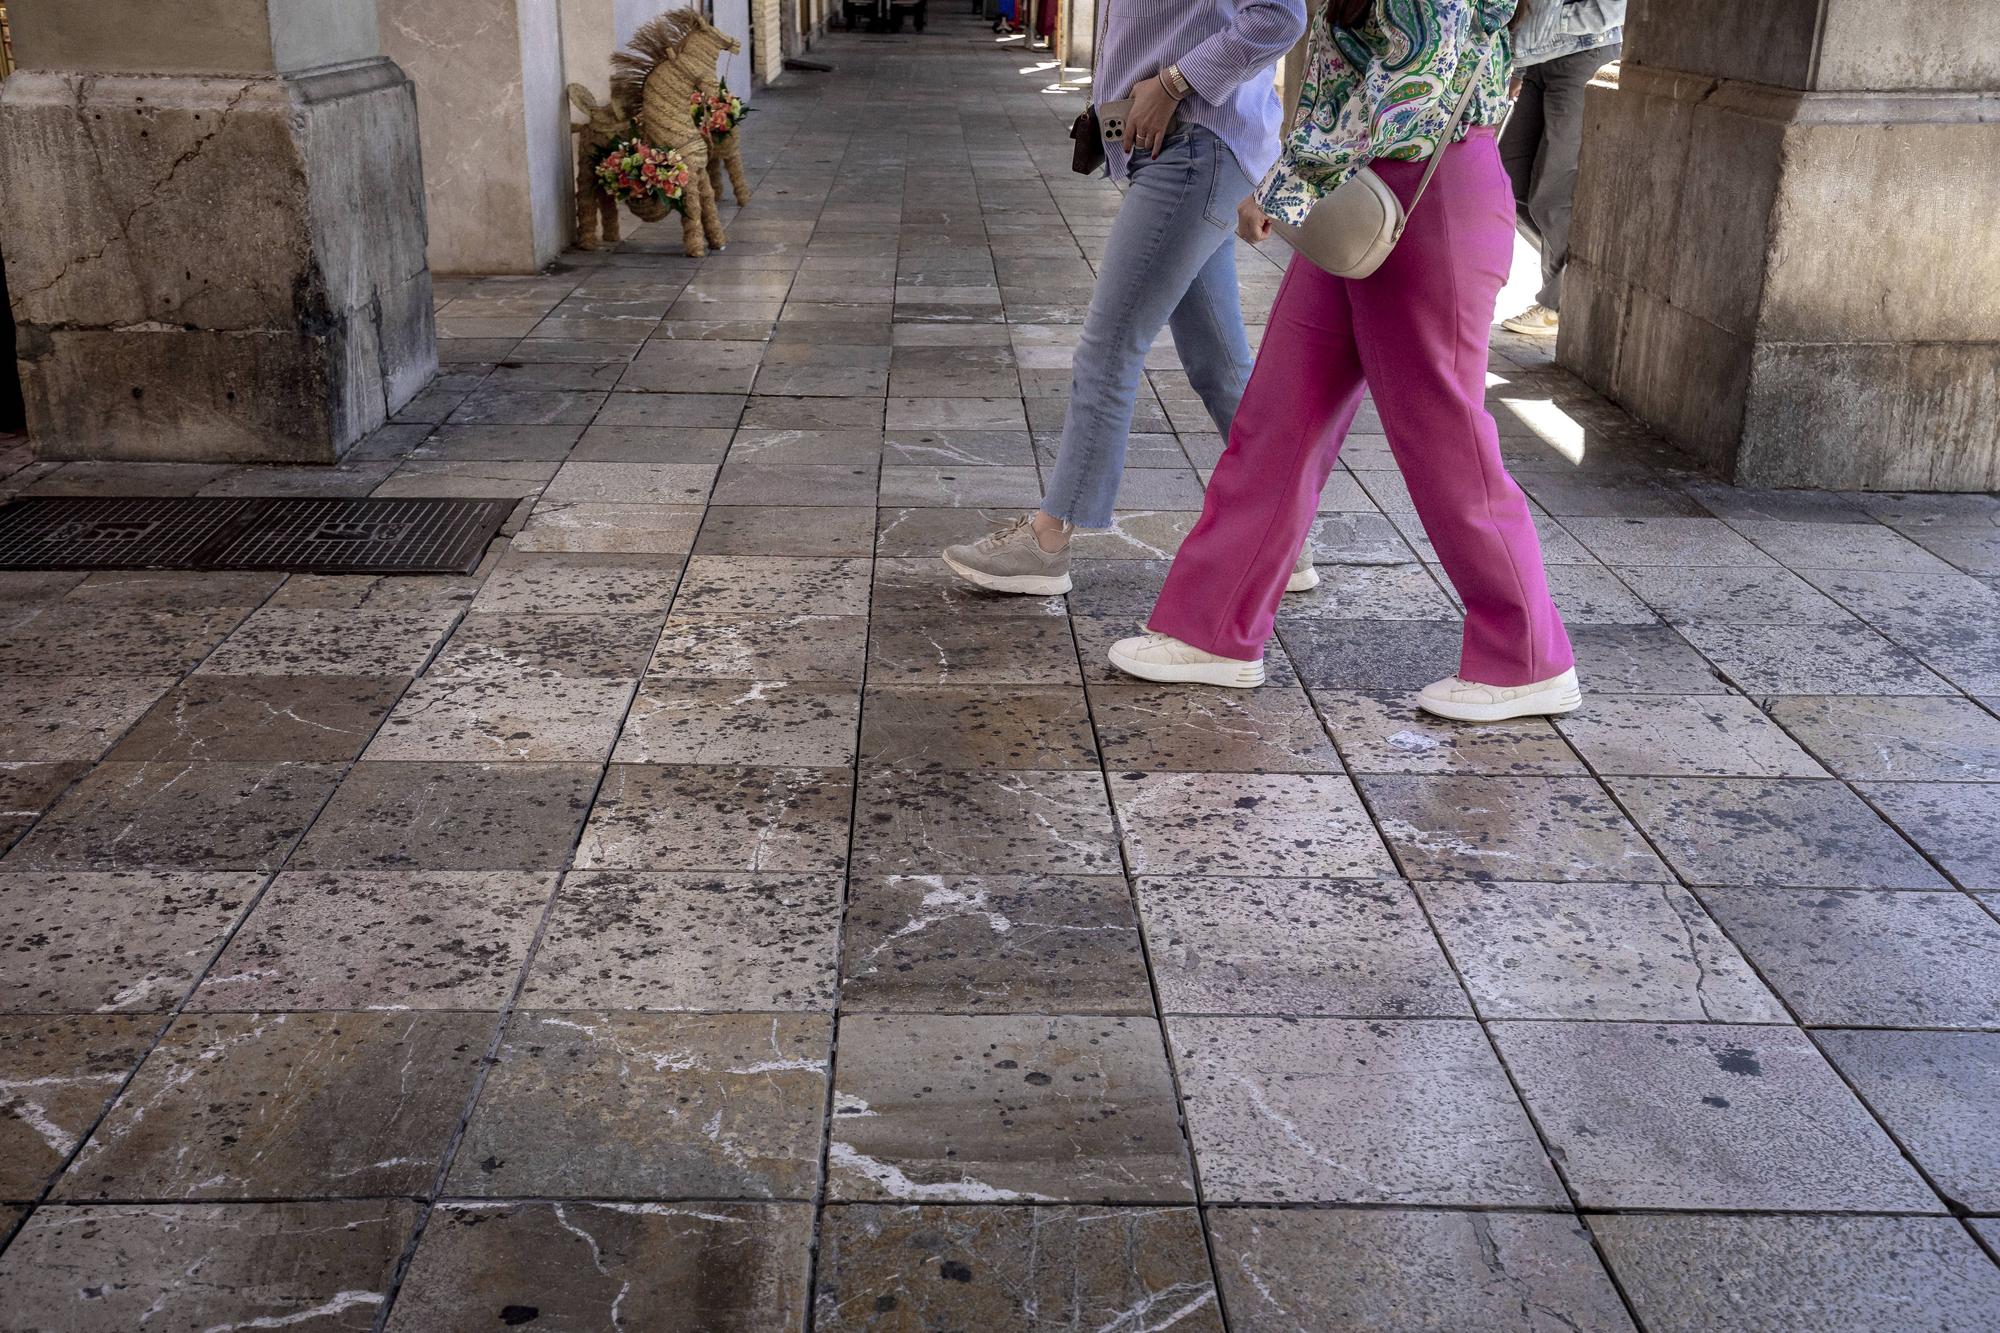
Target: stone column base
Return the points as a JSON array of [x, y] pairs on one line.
[[215, 269], [1797, 287]]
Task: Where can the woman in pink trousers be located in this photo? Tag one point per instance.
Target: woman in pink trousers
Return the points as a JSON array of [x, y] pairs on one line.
[[1383, 78]]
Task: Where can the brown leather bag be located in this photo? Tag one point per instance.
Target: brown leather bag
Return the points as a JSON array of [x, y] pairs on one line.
[[1087, 157]]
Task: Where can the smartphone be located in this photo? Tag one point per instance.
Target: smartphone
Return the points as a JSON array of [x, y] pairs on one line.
[[1111, 118]]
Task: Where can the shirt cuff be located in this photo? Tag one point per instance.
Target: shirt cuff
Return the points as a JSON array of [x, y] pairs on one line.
[[1211, 73]]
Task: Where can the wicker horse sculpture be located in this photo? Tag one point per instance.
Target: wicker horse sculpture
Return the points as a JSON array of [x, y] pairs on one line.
[[596, 212], [702, 46], [652, 80]]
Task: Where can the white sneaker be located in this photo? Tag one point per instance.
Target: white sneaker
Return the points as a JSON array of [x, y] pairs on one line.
[[1468, 701], [1537, 321], [1304, 577], [1160, 657]]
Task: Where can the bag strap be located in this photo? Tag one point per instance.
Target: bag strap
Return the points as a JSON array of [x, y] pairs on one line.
[[1451, 130]]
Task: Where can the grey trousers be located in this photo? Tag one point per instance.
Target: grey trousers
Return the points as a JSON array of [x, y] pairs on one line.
[[1539, 149]]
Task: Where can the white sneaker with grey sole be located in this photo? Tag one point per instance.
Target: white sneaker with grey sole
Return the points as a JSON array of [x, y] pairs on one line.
[[1161, 657], [1012, 560], [1468, 701], [1304, 577]]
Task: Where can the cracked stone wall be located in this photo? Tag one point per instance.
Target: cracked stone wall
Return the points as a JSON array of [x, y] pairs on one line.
[[214, 268]]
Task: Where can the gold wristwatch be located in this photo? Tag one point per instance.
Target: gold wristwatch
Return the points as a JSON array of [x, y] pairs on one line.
[[1176, 82]]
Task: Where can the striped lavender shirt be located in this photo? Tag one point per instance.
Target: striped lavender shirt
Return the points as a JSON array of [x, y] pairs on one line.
[[1226, 49]]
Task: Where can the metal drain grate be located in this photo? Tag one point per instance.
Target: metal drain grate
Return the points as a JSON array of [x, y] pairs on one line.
[[317, 536]]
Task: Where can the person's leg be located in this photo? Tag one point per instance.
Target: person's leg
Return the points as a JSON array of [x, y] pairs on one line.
[[1554, 189], [1521, 148], [1422, 324], [1162, 239], [1222, 593], [1208, 323]]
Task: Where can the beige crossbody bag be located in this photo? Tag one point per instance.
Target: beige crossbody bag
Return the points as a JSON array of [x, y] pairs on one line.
[[1350, 231]]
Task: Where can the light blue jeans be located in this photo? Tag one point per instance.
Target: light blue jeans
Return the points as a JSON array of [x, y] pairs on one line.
[[1171, 261]]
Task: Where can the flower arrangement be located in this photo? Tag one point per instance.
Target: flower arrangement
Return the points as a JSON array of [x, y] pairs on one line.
[[717, 113], [650, 181]]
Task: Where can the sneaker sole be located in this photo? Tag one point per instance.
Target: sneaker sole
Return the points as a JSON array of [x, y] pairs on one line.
[[1548, 703], [1232, 675], [1028, 585], [1302, 580], [1528, 332]]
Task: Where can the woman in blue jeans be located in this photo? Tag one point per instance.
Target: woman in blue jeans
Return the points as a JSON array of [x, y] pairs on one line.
[[1204, 127]]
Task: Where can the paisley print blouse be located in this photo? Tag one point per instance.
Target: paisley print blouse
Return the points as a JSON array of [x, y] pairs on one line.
[[1387, 89]]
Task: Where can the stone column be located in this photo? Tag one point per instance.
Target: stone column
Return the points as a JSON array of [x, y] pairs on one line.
[[214, 228], [495, 121], [1787, 239], [767, 49]]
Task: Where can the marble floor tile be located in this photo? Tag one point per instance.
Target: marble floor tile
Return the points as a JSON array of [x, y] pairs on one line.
[[1715, 736], [993, 944], [1013, 1268], [323, 1267], [286, 641], [649, 1106], [746, 585], [652, 444], [375, 939], [297, 1105], [1772, 831], [1939, 1094], [669, 1268], [1354, 1269], [1333, 1110], [1210, 729], [969, 651], [1952, 822], [719, 818], [792, 531], [992, 413], [958, 448], [206, 815], [307, 719], [504, 719], [505, 648], [49, 639], [1842, 546], [1371, 592], [593, 527], [27, 789], [959, 487], [672, 409], [631, 483], [1844, 658], [1371, 655], [1690, 1116], [735, 648], [59, 1074], [1387, 733], [1778, 1274], [1603, 952], [1287, 946], [1895, 739], [741, 722], [55, 719], [1642, 659], [762, 484], [130, 941], [977, 727], [983, 822], [401, 816], [1247, 824], [1677, 542], [1732, 595], [926, 588], [992, 1109], [1537, 829], [629, 941], [1867, 959]]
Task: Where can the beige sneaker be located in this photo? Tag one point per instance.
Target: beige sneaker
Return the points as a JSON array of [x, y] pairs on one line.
[[1304, 577], [1012, 560], [1161, 657], [1468, 701], [1537, 321]]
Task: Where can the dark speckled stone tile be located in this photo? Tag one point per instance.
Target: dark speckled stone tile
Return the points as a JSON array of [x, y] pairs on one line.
[[1373, 654], [220, 816], [1939, 1094], [1870, 959], [1286, 946], [984, 822], [57, 1074], [1296, 824], [1782, 1274], [789, 648], [1210, 730], [50, 639], [250, 1106], [28, 789], [649, 817], [71, 718], [998, 944], [695, 942], [503, 647], [977, 727], [340, 641], [78, 942], [1005, 1109], [315, 1267], [1394, 1269], [1701, 736], [1386, 733], [805, 723], [1508, 828], [1895, 739], [512, 719], [359, 939], [1678, 1115], [625, 1105], [1010, 1270], [310, 719], [971, 650], [1407, 1111], [1955, 822], [397, 816], [666, 1268], [1759, 831], [928, 590]]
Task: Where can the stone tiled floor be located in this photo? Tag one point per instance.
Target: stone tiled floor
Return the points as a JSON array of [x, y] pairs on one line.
[[711, 917]]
